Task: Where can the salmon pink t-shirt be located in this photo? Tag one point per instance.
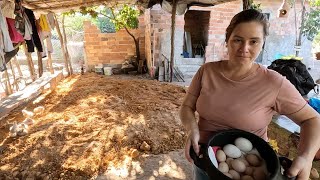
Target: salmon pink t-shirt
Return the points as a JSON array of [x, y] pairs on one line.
[[247, 104]]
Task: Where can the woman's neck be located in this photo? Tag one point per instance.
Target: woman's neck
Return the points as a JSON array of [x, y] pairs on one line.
[[237, 71]]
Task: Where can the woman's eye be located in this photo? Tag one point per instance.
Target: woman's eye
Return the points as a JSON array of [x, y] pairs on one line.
[[254, 42]]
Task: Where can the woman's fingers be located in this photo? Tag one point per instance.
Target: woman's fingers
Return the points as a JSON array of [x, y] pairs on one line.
[[299, 168], [187, 150]]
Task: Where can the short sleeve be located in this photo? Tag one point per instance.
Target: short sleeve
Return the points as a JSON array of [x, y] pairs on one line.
[[195, 86], [288, 100]]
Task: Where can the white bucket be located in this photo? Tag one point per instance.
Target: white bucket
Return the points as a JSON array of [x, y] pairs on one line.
[[107, 71]]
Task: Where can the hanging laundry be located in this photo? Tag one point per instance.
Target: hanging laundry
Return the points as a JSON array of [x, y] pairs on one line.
[[44, 23], [28, 27], [50, 18], [7, 8], [35, 41], [5, 34], [19, 20], [9, 55], [14, 34], [2, 60]]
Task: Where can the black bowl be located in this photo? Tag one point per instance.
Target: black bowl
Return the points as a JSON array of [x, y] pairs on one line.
[[228, 137]]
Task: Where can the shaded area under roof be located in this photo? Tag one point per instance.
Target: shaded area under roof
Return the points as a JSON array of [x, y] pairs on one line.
[[67, 5]]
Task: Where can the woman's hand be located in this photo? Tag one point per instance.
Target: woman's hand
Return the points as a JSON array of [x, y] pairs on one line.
[[300, 168], [192, 140]]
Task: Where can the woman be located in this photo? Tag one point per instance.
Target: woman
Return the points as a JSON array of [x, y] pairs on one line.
[[241, 94]]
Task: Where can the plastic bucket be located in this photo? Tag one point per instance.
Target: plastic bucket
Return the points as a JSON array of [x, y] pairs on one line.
[[228, 137], [107, 71]]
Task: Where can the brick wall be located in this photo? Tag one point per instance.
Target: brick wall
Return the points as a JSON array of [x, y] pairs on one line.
[[281, 29], [111, 48], [156, 24]]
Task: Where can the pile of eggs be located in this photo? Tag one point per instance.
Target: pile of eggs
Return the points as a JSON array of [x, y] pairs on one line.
[[241, 161]]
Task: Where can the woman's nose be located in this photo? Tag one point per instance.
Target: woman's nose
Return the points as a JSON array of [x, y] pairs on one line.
[[245, 47]]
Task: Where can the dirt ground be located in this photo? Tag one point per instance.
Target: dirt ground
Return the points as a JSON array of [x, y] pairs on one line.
[[99, 127]]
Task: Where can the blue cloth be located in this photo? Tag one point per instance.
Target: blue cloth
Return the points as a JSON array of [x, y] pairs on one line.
[[199, 174], [315, 104]]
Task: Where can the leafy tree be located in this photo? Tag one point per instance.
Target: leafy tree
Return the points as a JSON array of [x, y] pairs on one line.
[[124, 17], [311, 26]]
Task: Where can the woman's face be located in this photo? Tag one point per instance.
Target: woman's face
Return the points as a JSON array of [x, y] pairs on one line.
[[245, 42]]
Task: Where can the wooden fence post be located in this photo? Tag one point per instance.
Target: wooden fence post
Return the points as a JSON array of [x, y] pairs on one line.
[[62, 46], [30, 62]]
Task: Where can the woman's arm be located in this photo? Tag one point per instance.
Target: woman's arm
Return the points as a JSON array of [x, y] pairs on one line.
[[309, 121], [187, 116], [187, 112]]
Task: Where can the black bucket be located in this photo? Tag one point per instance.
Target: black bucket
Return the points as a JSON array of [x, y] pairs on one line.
[[228, 137]]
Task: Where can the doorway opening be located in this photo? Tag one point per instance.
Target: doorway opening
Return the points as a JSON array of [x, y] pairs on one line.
[[195, 33]]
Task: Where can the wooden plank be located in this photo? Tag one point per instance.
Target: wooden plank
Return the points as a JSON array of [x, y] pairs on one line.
[[49, 63], [31, 91], [40, 64], [30, 62]]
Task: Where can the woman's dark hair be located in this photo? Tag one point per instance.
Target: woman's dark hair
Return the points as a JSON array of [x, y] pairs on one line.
[[248, 16]]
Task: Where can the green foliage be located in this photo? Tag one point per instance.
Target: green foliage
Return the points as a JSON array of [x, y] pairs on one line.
[[311, 25], [316, 43], [314, 2], [111, 19], [104, 24], [126, 17], [255, 6]]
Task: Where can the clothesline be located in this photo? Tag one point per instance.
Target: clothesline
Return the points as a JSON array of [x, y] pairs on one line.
[[20, 26], [24, 27]]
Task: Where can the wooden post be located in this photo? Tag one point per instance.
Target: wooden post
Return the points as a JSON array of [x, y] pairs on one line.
[[16, 63], [49, 62], [40, 64], [173, 24], [246, 4], [14, 76], [62, 46], [7, 83], [30, 62], [66, 45]]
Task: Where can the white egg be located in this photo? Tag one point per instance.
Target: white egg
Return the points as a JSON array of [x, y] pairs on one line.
[[232, 151], [243, 144]]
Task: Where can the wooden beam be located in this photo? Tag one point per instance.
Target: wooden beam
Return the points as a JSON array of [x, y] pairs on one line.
[[66, 45], [16, 63], [71, 6], [30, 62], [173, 24], [246, 4], [14, 76], [40, 64], [62, 46], [7, 82], [49, 63]]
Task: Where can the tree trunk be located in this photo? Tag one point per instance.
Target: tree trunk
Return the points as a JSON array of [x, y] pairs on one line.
[[298, 42], [136, 43], [246, 4], [173, 24]]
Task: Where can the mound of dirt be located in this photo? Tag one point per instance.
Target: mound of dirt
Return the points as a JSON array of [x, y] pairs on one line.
[[91, 122], [106, 127]]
